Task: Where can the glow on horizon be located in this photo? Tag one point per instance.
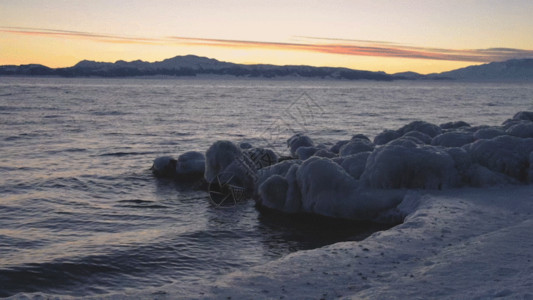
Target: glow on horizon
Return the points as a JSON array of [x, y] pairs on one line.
[[390, 36]]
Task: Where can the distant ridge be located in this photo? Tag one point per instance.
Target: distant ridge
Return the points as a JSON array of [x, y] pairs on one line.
[[192, 65]]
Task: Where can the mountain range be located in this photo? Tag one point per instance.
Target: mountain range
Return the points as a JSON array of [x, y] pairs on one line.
[[191, 65]]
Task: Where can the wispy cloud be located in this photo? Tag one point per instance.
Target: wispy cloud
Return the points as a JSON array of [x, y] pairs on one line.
[[305, 43]]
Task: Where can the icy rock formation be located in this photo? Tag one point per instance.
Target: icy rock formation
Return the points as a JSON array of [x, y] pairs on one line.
[[394, 167], [504, 154], [261, 157], [356, 146], [325, 153], [453, 139], [426, 139], [386, 136], [488, 133], [298, 140], [430, 129], [355, 164], [226, 165], [454, 125], [337, 147], [523, 130], [245, 145], [190, 165], [530, 172], [360, 137], [305, 152], [524, 115], [164, 166]]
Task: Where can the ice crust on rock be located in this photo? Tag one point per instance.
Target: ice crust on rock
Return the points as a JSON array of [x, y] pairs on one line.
[[453, 139], [395, 167], [164, 166], [298, 140], [355, 146], [218, 157], [190, 165]]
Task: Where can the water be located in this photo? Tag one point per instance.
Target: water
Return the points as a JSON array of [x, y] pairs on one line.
[[81, 214]]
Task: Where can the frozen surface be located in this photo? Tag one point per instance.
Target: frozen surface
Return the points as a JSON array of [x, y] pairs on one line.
[[461, 243]]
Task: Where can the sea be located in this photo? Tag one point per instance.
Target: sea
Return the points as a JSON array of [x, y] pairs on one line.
[[82, 215]]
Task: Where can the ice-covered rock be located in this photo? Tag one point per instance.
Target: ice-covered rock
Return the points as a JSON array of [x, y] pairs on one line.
[[386, 136], [406, 141], [426, 167], [454, 125], [524, 115], [245, 145], [426, 139], [325, 153], [479, 176], [530, 172], [164, 166], [356, 146], [488, 133], [298, 140], [261, 157], [360, 136], [453, 139], [430, 129], [337, 147], [523, 130], [190, 165], [504, 154], [355, 164], [305, 152], [273, 192], [219, 157]]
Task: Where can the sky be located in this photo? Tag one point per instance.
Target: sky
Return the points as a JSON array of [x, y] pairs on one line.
[[379, 35]]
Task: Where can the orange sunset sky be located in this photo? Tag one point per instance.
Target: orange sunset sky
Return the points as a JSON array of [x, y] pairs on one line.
[[392, 36]]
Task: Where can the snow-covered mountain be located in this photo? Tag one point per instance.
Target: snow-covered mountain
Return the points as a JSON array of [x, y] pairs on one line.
[[192, 65]]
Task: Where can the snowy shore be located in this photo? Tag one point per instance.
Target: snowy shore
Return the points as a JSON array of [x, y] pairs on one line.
[[460, 243]]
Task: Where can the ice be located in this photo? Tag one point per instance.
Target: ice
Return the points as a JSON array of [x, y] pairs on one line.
[[164, 166], [355, 146], [297, 141], [454, 125], [457, 244], [430, 129], [423, 167], [386, 136], [305, 152], [336, 148], [453, 139], [355, 164], [190, 165], [426, 139], [504, 154], [218, 157], [488, 133], [523, 130]]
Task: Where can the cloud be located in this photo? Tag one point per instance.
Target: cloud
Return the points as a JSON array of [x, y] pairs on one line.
[[309, 44]]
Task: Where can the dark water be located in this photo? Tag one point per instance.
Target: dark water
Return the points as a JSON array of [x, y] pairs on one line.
[[81, 214]]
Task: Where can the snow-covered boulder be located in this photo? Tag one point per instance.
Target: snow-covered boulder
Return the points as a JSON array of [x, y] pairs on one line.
[[386, 136], [355, 164], [430, 129], [218, 157], [523, 130], [426, 167], [356, 146], [426, 139], [305, 152], [336, 148], [261, 157], [453, 139], [479, 176], [325, 153], [190, 165], [488, 133], [298, 140], [245, 145], [504, 154], [454, 125], [164, 166], [524, 115]]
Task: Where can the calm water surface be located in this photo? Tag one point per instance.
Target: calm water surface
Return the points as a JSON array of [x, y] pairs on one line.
[[81, 214]]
